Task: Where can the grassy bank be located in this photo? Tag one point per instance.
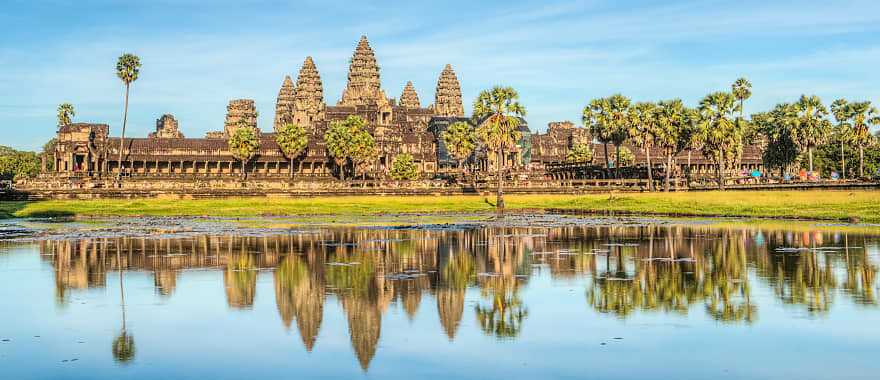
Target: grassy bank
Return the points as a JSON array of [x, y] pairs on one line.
[[819, 204]]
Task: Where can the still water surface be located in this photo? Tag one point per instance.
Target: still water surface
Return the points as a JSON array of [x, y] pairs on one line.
[[600, 300]]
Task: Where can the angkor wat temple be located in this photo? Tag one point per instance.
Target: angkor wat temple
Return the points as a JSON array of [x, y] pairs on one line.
[[404, 125]]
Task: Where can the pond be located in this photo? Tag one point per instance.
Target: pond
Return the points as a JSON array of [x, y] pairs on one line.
[[529, 298]]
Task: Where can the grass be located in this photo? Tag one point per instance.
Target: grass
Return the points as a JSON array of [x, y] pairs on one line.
[[815, 204]]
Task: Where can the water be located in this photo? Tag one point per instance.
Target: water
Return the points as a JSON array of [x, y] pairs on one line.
[[567, 298]]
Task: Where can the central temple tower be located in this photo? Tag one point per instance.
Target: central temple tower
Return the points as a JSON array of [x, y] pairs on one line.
[[363, 86]]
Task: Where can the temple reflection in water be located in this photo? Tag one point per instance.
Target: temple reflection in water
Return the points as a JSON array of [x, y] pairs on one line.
[[625, 269]]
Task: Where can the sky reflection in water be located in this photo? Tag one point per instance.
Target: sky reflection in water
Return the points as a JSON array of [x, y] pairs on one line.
[[685, 302]]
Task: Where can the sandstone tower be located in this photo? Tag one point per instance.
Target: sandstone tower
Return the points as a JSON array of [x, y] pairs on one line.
[[447, 98], [308, 103], [284, 104], [409, 98], [166, 128], [240, 111], [363, 78]]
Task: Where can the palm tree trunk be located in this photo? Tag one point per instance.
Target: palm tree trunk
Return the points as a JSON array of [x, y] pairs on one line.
[[499, 195], [810, 154], [861, 161], [607, 160], [720, 168], [291, 168], [650, 176], [842, 161], [122, 138], [668, 171], [617, 161]]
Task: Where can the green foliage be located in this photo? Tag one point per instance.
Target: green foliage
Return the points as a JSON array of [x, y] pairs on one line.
[[404, 168], [719, 135], [292, 139], [65, 114], [244, 144], [128, 67], [676, 127], [781, 151], [643, 124], [124, 348], [15, 165], [625, 157], [349, 140], [460, 140], [742, 91], [580, 152], [811, 127], [497, 111], [608, 120]]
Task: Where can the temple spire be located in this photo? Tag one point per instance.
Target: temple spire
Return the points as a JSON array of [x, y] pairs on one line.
[[363, 77], [447, 98], [308, 101], [409, 98], [284, 104]]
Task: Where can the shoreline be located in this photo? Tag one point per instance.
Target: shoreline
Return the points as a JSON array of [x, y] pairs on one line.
[[818, 205]]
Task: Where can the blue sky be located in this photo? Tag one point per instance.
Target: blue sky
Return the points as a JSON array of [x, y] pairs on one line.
[[559, 54]]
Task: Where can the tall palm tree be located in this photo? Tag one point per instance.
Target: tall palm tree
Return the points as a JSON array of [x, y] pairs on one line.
[[674, 131], [811, 124], [643, 130], [123, 345], [127, 69], [863, 117], [497, 113], [608, 120], [840, 109], [719, 133], [65, 114], [293, 141], [742, 91]]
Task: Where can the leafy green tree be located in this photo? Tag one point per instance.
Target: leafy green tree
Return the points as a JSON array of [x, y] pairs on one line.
[[720, 135], [642, 130], [65, 114], [244, 145], [497, 112], [627, 157], [15, 165], [127, 69], [674, 131], [460, 141], [349, 141], [48, 153], [811, 124], [404, 168], [363, 151], [580, 153], [608, 120], [862, 117], [781, 150], [742, 91], [293, 141]]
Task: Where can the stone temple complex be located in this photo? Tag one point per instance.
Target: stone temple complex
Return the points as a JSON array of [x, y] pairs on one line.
[[403, 125]]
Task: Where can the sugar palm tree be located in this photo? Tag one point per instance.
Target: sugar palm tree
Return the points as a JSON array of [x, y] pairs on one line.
[[642, 131], [742, 91], [608, 120], [863, 116], [843, 131], [293, 141], [719, 133], [123, 345], [497, 113], [244, 145], [127, 69], [674, 131], [65, 114], [811, 124]]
